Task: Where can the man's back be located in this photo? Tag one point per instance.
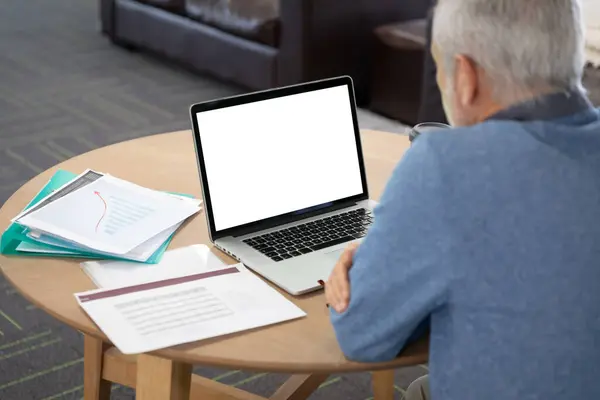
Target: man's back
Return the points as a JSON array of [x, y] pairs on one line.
[[522, 202], [491, 236]]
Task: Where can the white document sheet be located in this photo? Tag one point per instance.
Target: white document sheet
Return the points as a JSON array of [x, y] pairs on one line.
[[110, 215], [155, 315], [174, 263]]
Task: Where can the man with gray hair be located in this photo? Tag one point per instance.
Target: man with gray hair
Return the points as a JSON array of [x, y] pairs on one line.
[[488, 234]]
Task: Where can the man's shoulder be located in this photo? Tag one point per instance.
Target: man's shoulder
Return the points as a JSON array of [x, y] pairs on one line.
[[475, 144], [479, 134]]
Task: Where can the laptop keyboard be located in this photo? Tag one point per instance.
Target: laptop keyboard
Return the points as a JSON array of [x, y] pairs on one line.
[[312, 236]]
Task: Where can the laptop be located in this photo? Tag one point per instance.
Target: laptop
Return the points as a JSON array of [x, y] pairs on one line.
[[283, 179]]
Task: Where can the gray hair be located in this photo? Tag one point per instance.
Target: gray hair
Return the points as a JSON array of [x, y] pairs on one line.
[[524, 46]]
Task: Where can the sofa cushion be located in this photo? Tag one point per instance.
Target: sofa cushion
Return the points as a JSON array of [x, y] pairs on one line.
[[257, 20], [172, 5]]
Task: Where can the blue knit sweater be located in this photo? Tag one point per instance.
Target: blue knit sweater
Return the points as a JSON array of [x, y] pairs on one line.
[[489, 236]]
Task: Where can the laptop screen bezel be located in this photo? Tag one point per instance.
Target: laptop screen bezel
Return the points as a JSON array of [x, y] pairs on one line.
[[267, 95]]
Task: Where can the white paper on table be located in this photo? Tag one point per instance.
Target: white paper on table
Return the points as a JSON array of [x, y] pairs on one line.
[[156, 315], [110, 215], [175, 263]]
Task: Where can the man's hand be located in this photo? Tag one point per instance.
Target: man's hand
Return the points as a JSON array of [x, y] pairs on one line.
[[337, 288]]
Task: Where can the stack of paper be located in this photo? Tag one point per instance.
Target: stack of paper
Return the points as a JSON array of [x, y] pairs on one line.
[[95, 215], [189, 296]]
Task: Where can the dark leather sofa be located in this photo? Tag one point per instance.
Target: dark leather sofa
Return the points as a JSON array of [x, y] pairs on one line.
[[260, 44]]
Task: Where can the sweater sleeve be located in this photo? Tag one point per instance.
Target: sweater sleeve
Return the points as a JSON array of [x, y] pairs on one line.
[[398, 278]]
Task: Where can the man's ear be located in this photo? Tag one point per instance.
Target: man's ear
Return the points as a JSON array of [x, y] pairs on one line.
[[467, 80]]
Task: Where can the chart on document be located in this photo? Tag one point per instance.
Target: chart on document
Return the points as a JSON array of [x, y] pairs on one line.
[[110, 215], [118, 213]]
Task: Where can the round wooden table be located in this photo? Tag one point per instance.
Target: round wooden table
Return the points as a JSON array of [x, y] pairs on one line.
[[306, 347]]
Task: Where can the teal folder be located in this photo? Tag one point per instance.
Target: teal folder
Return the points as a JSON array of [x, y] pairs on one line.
[[15, 234]]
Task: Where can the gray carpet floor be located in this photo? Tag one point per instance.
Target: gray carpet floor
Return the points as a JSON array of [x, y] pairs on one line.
[[65, 90]]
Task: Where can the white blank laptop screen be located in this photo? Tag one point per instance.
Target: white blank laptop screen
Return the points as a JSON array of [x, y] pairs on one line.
[[278, 156]]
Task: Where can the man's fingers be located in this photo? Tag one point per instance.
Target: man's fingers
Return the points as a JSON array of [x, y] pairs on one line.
[[337, 290], [347, 255], [330, 290], [334, 297], [344, 265], [336, 300], [341, 280], [351, 249]]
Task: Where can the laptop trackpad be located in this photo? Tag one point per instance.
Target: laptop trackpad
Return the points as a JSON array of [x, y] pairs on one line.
[[334, 255]]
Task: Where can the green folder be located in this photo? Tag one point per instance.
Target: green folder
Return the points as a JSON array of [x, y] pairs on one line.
[[16, 234]]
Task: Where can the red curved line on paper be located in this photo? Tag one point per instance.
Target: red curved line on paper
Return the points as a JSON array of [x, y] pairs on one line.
[[103, 213]]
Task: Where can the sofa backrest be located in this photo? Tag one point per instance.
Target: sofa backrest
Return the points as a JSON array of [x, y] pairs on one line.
[[254, 19]]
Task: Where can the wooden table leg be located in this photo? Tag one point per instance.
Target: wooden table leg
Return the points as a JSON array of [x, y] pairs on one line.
[[161, 379], [299, 387], [383, 385], [94, 387]]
